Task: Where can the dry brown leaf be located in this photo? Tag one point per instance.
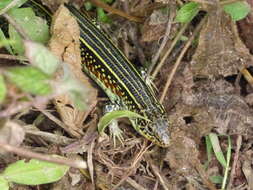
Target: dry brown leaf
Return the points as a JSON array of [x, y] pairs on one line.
[[152, 32], [53, 5], [163, 1], [248, 172], [65, 45], [219, 52], [11, 133]]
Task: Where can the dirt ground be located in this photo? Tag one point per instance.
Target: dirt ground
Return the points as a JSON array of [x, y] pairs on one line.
[[203, 79]]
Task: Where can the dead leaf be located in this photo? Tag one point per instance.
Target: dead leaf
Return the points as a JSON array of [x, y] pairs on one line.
[[248, 172], [152, 32], [219, 51], [11, 133], [155, 27], [245, 29], [65, 45]]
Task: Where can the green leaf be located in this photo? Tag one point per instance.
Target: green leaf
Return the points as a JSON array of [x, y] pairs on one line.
[[88, 6], [78, 99], [228, 157], [4, 3], [29, 79], [4, 42], [2, 89], [102, 16], [237, 10], [41, 57], [217, 179], [109, 117], [208, 148], [4, 185], [187, 12], [34, 172], [35, 27], [217, 149], [108, 1], [73, 87]]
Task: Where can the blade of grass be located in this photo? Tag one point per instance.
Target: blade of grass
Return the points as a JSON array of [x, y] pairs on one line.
[[228, 157], [209, 150], [217, 149]]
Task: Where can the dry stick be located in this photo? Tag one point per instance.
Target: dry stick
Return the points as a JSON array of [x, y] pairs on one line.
[[116, 11], [178, 61], [160, 177], [57, 121], [237, 83], [203, 175], [236, 158], [89, 160], [180, 3], [247, 76], [13, 57], [134, 184], [204, 2], [165, 39], [49, 158], [52, 138], [13, 109], [139, 156], [227, 2], [20, 30], [161, 63]]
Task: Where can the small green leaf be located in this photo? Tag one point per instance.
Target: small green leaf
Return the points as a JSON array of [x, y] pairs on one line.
[[217, 149], [29, 79], [34, 172], [41, 57], [4, 42], [73, 87], [208, 148], [109, 117], [108, 1], [102, 16], [237, 10], [88, 6], [228, 157], [4, 185], [2, 89], [35, 27], [78, 99], [187, 12], [4, 3], [217, 179]]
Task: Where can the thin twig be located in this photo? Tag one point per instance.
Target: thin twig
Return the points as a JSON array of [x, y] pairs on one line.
[[9, 6], [134, 184], [178, 61], [161, 63], [138, 158], [227, 2], [13, 57], [165, 39], [116, 11], [19, 28], [163, 181], [49, 158], [59, 122], [203, 175], [50, 137], [247, 76], [15, 108], [236, 158], [204, 2]]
